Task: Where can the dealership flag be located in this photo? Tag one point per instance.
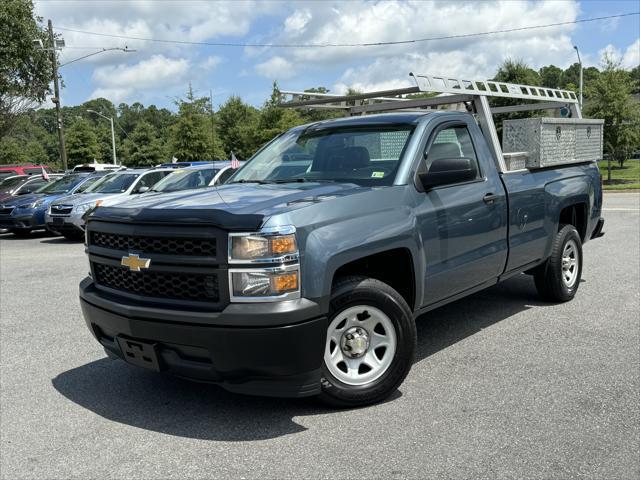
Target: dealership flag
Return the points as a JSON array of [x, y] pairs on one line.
[[234, 161], [45, 175]]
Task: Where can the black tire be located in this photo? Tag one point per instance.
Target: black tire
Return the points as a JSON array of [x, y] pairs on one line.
[[548, 277], [21, 232], [356, 291], [73, 235]]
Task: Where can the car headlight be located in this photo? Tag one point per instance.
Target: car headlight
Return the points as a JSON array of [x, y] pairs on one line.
[[83, 207], [34, 204], [265, 284], [269, 246]]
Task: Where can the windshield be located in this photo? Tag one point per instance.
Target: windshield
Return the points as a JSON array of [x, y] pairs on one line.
[[9, 183], [185, 180], [116, 183], [62, 185], [90, 181], [367, 156]]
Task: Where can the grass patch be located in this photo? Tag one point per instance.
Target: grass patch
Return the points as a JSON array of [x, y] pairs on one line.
[[627, 177]]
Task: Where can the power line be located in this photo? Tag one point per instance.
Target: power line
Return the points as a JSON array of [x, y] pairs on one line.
[[372, 44]]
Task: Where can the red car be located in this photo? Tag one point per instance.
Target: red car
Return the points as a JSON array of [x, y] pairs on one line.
[[24, 169]]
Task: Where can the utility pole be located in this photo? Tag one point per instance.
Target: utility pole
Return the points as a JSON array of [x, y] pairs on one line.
[[113, 134], [581, 70], [56, 99], [211, 118]]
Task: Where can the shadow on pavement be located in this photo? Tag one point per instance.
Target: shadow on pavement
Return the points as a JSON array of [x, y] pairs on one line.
[[179, 407], [32, 235]]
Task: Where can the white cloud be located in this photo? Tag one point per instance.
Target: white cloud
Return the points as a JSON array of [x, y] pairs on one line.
[[294, 24], [211, 62], [385, 66], [631, 57], [276, 68], [121, 81]]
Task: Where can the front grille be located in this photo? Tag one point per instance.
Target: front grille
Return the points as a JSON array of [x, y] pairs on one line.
[[61, 209], [170, 246], [6, 210], [181, 286]]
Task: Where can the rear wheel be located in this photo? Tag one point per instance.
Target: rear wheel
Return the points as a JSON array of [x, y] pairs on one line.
[[558, 279], [370, 344]]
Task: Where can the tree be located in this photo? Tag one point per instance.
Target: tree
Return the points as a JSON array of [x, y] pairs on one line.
[[25, 71], [191, 136], [12, 150], [273, 119], [237, 124], [551, 76], [143, 147], [82, 143], [611, 101]]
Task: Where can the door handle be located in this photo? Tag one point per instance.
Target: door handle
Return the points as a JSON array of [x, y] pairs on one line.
[[489, 198]]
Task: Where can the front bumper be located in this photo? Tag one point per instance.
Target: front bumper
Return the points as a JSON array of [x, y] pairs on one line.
[[59, 223], [21, 222], [280, 354]]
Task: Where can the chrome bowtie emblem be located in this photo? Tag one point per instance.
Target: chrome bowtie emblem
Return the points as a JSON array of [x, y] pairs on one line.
[[134, 262]]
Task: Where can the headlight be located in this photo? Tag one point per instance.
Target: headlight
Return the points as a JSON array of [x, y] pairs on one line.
[[33, 204], [86, 206], [267, 284], [277, 245]]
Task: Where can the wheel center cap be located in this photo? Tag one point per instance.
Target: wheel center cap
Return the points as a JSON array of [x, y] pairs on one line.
[[355, 342]]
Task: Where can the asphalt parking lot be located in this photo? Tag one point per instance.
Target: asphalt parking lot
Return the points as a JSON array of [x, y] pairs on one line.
[[504, 386]]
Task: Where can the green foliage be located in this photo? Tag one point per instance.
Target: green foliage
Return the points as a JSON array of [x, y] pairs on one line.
[[611, 101], [237, 124], [25, 71], [82, 143], [14, 151], [193, 137], [551, 76], [143, 147]]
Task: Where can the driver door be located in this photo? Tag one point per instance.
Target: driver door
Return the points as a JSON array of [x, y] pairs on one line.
[[463, 226]]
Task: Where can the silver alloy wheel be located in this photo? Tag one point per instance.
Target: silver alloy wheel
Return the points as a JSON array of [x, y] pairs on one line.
[[361, 344], [570, 263]]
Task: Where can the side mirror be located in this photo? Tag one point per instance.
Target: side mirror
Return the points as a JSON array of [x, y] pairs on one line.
[[24, 192], [143, 189], [445, 171]]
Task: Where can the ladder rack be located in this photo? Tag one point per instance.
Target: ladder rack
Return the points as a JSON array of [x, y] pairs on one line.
[[450, 91]]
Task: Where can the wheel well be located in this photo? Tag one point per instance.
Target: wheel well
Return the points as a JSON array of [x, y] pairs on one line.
[[393, 267], [575, 215]]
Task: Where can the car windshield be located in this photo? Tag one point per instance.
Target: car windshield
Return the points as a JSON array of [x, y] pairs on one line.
[[366, 156], [62, 185], [88, 183], [185, 180], [116, 183], [10, 183]]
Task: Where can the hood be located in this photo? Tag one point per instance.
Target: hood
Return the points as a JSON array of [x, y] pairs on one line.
[[16, 200], [232, 206], [80, 198]]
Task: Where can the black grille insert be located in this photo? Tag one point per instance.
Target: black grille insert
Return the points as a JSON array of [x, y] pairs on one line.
[[182, 286], [169, 246], [6, 210], [61, 209]]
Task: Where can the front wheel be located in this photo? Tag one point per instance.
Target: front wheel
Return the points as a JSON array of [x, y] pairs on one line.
[[558, 279], [370, 346]]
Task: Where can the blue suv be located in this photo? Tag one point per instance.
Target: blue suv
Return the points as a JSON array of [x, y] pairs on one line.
[[24, 213]]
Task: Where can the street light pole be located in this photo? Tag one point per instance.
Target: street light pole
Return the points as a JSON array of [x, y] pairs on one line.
[[56, 99], [113, 134], [580, 62]]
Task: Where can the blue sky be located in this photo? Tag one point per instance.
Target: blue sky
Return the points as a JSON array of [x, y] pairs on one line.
[[157, 73]]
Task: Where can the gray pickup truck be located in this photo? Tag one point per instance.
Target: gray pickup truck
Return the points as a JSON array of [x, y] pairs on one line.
[[305, 273]]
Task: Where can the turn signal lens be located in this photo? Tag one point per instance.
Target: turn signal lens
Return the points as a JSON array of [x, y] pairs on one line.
[[261, 247], [284, 282], [283, 244]]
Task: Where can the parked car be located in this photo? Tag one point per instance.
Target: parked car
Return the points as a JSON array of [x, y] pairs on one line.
[[190, 178], [24, 185], [26, 213], [186, 164], [66, 215], [26, 169], [309, 283], [97, 167]]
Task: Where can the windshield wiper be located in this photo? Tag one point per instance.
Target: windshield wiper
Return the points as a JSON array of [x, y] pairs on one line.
[[303, 180], [261, 182]]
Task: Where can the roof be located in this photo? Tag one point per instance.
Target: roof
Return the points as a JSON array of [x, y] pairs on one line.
[[396, 118]]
